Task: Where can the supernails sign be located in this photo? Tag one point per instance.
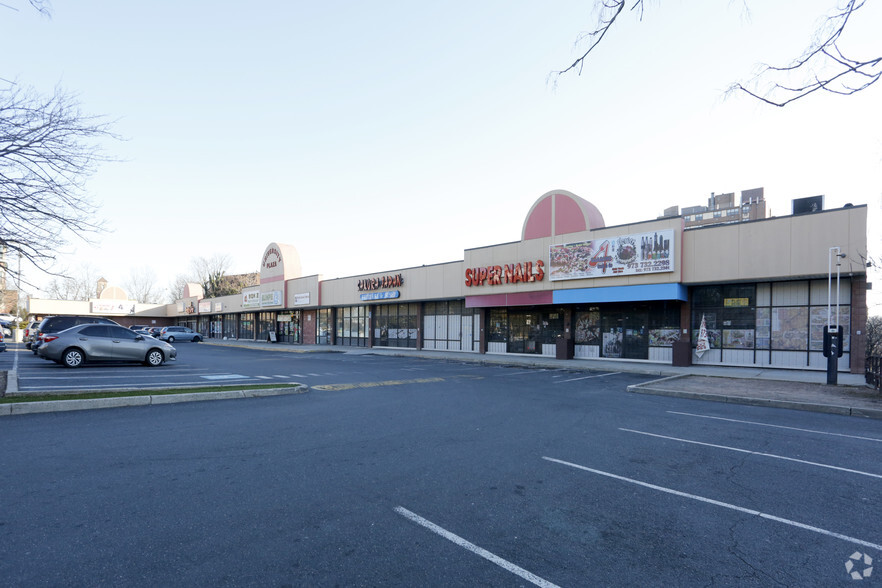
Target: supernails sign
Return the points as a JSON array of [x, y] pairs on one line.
[[511, 273]]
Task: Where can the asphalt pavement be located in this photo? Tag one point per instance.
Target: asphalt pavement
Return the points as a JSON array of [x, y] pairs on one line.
[[782, 388]]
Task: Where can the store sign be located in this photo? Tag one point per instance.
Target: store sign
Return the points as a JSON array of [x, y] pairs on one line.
[[512, 273], [273, 298], [640, 253], [272, 257], [251, 299], [380, 283], [204, 306], [113, 307], [380, 295], [736, 302], [218, 306], [301, 299], [283, 317]]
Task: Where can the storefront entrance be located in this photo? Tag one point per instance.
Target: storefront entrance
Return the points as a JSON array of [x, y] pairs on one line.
[[625, 334], [524, 331]]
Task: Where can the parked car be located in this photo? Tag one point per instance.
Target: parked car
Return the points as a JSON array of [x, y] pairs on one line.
[[139, 327], [104, 342], [144, 332], [2, 344], [172, 334], [56, 324], [30, 333], [6, 328]]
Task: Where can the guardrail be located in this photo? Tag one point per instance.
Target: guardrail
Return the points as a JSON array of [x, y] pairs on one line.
[[874, 372]]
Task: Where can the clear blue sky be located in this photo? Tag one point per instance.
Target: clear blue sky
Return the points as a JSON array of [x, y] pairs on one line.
[[384, 135]]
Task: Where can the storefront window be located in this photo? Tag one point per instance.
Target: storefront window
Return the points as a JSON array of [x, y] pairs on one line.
[[246, 325], [664, 324], [231, 326], [586, 330], [730, 315], [266, 322], [819, 321], [323, 328], [351, 326], [216, 327], [449, 325], [497, 330], [395, 325], [790, 328], [288, 327]]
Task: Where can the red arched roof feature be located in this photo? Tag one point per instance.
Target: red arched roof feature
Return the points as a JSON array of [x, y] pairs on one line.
[[539, 220], [560, 212]]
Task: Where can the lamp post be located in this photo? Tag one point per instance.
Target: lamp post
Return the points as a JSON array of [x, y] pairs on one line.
[[833, 331]]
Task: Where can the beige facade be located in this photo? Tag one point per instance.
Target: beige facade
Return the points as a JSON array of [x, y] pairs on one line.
[[629, 291], [782, 248]]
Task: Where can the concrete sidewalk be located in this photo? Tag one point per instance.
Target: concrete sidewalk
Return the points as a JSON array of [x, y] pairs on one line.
[[782, 388]]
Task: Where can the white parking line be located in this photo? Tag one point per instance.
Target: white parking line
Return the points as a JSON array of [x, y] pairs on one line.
[[704, 416], [226, 377], [282, 377], [772, 455], [589, 377], [749, 511], [263, 377], [504, 564]]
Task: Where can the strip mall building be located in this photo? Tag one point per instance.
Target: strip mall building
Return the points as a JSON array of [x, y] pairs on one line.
[[571, 283]]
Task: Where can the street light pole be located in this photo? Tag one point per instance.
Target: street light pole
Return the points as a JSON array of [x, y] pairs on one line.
[[833, 332]]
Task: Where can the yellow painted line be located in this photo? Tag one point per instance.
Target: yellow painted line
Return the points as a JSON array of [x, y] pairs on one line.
[[334, 387]]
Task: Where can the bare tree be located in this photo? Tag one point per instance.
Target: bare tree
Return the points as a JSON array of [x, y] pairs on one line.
[[141, 285], [82, 284], [874, 336], [209, 271], [823, 66], [176, 288], [48, 148]]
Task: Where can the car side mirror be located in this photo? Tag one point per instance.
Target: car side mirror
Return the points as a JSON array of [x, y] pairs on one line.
[[139, 338]]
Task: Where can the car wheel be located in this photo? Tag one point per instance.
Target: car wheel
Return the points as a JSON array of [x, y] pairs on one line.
[[197, 339], [73, 358], [154, 358], [171, 339]]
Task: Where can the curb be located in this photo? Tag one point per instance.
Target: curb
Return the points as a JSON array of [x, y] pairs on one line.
[[871, 413], [16, 408]]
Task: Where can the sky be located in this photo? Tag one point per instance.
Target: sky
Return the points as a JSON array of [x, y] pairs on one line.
[[386, 135]]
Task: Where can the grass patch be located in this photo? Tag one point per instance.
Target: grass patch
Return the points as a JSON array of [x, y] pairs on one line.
[[128, 393]]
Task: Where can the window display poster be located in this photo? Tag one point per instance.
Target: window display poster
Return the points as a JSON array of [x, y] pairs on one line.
[[639, 253], [612, 344]]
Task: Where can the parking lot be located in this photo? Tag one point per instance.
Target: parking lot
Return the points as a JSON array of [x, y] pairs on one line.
[[404, 472]]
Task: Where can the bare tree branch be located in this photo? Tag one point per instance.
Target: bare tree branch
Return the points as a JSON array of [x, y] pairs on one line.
[[141, 285], [48, 148], [608, 12], [824, 66], [829, 68]]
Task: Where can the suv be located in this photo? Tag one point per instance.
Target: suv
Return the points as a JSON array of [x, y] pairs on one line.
[[172, 334], [56, 324]]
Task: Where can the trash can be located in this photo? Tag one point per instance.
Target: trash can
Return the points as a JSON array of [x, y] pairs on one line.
[[566, 348], [682, 353]]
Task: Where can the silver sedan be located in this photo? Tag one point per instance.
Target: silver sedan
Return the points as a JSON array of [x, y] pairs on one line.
[[96, 342]]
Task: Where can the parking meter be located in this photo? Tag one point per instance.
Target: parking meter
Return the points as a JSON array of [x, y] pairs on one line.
[[832, 351], [832, 341]]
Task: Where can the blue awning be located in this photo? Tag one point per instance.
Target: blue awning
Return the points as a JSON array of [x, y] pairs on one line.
[[641, 293]]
